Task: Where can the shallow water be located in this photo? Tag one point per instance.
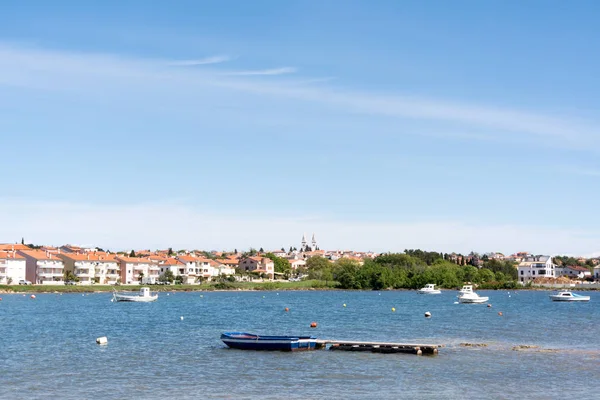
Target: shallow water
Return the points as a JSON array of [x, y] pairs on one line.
[[48, 349]]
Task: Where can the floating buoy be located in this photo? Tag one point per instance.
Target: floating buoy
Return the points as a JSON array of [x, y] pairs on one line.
[[500, 313], [181, 318], [489, 305], [102, 340], [427, 314], [0, 298], [263, 297], [344, 304], [393, 309], [456, 302], [313, 324], [201, 295], [287, 309], [167, 294], [33, 296]]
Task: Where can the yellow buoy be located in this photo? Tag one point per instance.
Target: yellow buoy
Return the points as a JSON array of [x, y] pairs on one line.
[[393, 309], [344, 304]]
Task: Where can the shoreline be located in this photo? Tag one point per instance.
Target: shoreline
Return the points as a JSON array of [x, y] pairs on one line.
[[233, 287]]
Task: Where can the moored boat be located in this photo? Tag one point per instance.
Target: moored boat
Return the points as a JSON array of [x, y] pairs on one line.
[[249, 341], [468, 296], [429, 289], [144, 296], [568, 296]]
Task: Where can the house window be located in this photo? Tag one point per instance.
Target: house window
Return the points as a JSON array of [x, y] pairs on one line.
[[533, 273], [522, 272]]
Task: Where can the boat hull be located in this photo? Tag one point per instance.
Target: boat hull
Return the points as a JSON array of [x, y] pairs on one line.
[[429, 291], [570, 299], [477, 300], [135, 299], [246, 341]]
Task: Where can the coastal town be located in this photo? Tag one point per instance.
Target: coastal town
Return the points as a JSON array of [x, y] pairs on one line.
[[22, 263]]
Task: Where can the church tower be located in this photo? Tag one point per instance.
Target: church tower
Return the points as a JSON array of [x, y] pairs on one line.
[[314, 246], [303, 245]]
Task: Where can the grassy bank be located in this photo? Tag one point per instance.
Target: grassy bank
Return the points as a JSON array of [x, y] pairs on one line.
[[278, 285]]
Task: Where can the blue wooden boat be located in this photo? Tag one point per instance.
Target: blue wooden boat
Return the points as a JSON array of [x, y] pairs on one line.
[[249, 341]]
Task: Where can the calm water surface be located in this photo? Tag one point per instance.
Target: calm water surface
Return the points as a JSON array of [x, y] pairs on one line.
[[48, 350]]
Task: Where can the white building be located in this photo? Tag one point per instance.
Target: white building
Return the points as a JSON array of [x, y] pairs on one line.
[[597, 272], [295, 264], [91, 268], [43, 267], [573, 272], [536, 267], [133, 268], [12, 267]]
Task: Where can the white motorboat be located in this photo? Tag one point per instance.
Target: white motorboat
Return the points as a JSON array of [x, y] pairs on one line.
[[568, 296], [144, 296], [429, 289], [468, 296]]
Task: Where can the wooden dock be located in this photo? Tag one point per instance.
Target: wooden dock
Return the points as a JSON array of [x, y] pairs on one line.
[[379, 347]]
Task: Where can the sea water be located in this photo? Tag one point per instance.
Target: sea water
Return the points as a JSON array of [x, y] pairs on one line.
[[48, 347]]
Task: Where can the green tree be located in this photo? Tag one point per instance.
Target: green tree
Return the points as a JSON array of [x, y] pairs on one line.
[[140, 276], [282, 265], [170, 251], [347, 274], [168, 276], [132, 254]]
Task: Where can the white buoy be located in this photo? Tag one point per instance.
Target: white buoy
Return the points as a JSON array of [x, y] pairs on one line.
[[181, 318], [427, 314], [102, 340], [33, 296], [456, 302]]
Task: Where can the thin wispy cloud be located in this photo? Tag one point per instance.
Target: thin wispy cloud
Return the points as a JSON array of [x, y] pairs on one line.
[[201, 61], [90, 72], [272, 71], [581, 171]]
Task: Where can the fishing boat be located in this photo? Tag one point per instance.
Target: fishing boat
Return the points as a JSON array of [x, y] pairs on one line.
[[429, 289], [249, 341], [468, 296], [568, 296], [144, 296]]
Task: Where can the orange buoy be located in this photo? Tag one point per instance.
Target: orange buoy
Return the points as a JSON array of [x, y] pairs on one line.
[[33, 296], [313, 324], [287, 309], [500, 313], [0, 298]]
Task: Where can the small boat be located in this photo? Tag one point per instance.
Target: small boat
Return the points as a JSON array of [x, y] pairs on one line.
[[249, 341], [468, 296], [144, 296], [429, 289], [568, 296]]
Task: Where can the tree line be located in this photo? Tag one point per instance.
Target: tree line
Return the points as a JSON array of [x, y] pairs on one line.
[[411, 270]]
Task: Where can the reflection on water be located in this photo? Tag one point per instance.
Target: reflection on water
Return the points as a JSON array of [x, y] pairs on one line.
[[48, 346]]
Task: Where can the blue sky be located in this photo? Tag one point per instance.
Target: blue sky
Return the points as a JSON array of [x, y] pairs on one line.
[[451, 126]]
